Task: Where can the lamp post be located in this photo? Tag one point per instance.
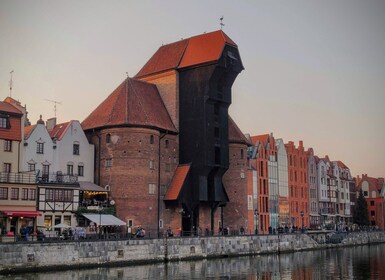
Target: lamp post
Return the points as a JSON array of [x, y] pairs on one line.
[[302, 220], [256, 221]]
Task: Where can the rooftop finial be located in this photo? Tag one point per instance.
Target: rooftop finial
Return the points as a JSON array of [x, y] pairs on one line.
[[222, 24]]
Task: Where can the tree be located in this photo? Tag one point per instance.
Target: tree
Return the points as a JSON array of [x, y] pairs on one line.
[[361, 215]]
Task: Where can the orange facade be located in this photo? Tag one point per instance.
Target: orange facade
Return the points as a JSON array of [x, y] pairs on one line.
[[298, 186]]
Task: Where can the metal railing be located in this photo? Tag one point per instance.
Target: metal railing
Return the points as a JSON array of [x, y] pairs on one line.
[[18, 178]]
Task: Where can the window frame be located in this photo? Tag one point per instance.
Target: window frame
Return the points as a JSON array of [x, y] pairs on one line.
[[76, 149], [7, 145], [40, 148]]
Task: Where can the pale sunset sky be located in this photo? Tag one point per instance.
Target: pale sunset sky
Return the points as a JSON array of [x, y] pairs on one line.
[[314, 70]]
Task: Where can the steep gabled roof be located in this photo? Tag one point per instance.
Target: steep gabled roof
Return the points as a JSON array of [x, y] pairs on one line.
[[59, 130], [341, 165], [200, 49], [9, 108], [28, 131], [261, 138], [236, 135], [133, 103]]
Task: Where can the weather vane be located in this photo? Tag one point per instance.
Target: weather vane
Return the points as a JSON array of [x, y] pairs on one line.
[[222, 24]]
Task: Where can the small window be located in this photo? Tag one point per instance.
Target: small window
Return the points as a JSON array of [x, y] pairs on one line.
[[40, 148], [80, 170], [14, 194], [242, 154], [24, 194], [108, 138], [160, 223], [152, 164], [70, 169], [108, 162], [372, 213], [152, 139], [3, 193], [217, 155], [151, 188], [76, 149], [168, 167], [4, 122], [7, 167], [365, 193], [31, 166], [166, 143], [372, 203], [7, 146], [32, 194]]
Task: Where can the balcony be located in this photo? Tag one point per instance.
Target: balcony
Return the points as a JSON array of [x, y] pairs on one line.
[[18, 178], [57, 178]]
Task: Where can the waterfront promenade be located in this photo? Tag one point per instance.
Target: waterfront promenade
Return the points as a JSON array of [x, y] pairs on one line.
[[40, 256]]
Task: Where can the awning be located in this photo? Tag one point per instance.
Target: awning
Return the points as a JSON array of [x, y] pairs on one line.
[[91, 187], [104, 220], [177, 182], [11, 213]]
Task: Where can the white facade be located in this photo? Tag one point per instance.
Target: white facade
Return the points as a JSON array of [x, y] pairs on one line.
[[38, 150], [283, 183], [79, 158]]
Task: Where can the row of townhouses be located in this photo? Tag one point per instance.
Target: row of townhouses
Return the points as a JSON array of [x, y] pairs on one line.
[[163, 152]]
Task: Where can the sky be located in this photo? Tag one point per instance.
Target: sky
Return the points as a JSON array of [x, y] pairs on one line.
[[314, 70]]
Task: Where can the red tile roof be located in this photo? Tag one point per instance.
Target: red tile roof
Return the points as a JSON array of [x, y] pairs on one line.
[[341, 165], [177, 182], [9, 108], [134, 102], [261, 138], [204, 48], [59, 130], [28, 130], [235, 134]]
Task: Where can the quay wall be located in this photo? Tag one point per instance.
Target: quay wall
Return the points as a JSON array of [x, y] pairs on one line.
[[40, 256]]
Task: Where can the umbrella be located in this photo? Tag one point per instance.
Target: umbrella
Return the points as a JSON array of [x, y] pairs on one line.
[[61, 226]]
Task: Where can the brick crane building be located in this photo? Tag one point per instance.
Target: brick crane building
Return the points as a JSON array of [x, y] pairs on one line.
[[162, 137]]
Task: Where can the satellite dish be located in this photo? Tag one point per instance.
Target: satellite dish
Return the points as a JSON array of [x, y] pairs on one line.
[[112, 202]]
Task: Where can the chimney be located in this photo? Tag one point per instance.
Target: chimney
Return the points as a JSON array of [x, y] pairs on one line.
[[51, 123]]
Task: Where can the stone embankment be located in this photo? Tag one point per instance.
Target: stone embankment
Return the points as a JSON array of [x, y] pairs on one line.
[[38, 256]]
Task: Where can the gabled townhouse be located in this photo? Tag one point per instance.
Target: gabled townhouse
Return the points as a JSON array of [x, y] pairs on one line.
[[374, 192], [298, 186], [313, 189], [52, 152], [17, 190], [283, 185], [323, 192], [328, 209], [259, 161], [343, 194]]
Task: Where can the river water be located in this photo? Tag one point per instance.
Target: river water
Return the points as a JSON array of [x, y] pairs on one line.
[[361, 262]]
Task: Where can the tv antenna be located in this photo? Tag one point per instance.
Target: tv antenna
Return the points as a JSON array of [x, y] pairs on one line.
[[54, 106], [10, 84], [222, 24]]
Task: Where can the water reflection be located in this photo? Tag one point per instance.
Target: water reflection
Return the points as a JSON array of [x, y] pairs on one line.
[[364, 262]]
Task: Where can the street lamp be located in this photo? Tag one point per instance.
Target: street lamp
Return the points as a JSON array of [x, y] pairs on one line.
[[256, 221], [302, 219]]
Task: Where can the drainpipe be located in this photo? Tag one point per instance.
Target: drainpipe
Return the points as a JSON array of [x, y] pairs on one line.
[[160, 138]]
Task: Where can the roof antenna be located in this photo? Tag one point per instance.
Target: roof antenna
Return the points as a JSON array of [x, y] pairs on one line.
[[54, 106], [221, 24], [10, 84]]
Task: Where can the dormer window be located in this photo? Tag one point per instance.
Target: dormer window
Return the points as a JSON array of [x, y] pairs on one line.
[[4, 122]]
